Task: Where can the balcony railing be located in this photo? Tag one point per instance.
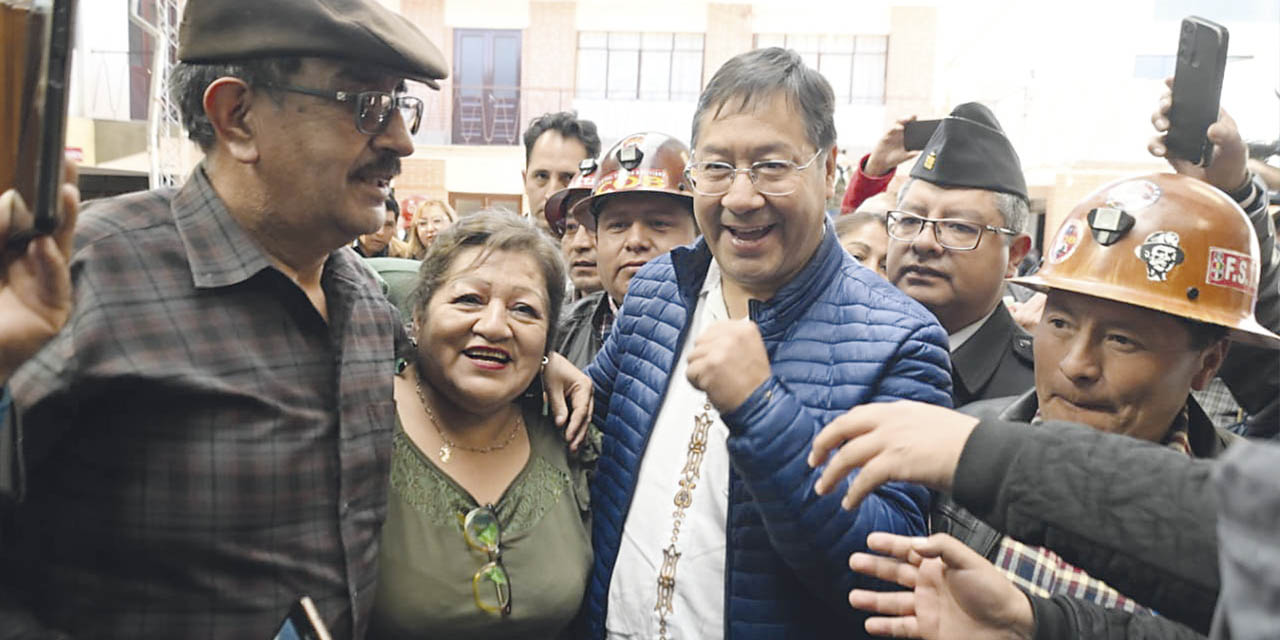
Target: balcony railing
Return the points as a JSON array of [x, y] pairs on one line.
[[485, 114]]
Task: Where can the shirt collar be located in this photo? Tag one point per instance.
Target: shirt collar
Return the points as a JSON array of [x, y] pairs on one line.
[[958, 338], [219, 250]]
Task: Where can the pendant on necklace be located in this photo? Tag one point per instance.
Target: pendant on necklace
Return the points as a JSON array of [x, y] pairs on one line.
[[445, 453]]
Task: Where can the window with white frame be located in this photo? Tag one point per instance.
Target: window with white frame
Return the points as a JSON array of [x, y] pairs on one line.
[[854, 65], [645, 66]]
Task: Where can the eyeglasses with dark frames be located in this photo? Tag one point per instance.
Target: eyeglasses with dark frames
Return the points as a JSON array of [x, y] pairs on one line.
[[770, 177], [956, 234], [372, 108]]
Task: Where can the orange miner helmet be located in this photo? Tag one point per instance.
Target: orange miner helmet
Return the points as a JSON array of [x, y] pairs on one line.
[[561, 202], [1164, 242], [642, 162]]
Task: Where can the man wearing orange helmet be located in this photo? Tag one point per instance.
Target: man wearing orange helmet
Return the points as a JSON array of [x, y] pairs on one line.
[[1148, 280], [638, 208]]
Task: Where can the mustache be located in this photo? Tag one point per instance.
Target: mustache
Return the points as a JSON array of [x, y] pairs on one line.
[[386, 164]]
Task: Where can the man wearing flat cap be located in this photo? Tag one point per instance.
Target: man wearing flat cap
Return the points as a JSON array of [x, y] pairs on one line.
[[209, 438], [954, 237]]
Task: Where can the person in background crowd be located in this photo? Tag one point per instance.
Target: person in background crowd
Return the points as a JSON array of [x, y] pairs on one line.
[[432, 216], [876, 170], [955, 235], [640, 208], [378, 243], [576, 242], [555, 144], [487, 531], [35, 302], [725, 360], [1146, 282], [865, 237]]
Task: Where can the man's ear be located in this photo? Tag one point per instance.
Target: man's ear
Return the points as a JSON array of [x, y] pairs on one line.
[[831, 166], [1017, 251], [228, 104], [1210, 359]]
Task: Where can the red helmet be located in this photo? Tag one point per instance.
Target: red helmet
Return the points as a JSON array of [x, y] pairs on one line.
[[642, 162], [560, 202]]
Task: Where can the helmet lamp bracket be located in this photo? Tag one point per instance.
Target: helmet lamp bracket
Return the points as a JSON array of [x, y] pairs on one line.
[[1109, 224]]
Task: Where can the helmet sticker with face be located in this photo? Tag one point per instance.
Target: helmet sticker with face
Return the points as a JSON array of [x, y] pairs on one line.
[[1066, 242], [1231, 269], [1162, 252]]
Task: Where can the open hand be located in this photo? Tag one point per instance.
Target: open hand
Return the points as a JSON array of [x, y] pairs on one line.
[[955, 594], [904, 441]]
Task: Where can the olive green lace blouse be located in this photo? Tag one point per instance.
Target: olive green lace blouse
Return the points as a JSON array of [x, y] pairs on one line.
[[426, 565]]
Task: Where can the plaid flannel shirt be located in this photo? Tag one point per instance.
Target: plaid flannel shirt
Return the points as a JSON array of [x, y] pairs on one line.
[[1043, 573], [201, 447]]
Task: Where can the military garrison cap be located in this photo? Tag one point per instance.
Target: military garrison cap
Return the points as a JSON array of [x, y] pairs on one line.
[[363, 31], [969, 149]]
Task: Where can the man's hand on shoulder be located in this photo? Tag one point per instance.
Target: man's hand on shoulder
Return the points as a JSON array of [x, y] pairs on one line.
[[35, 282], [729, 362]]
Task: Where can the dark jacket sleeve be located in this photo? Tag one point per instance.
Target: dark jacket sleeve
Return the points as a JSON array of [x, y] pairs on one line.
[[1137, 515], [1067, 618], [1249, 517], [1253, 373]]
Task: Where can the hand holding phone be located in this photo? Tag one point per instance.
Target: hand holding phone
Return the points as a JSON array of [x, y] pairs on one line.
[[1227, 165], [891, 149]]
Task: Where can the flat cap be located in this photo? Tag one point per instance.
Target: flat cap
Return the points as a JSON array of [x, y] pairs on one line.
[[969, 149], [363, 31]]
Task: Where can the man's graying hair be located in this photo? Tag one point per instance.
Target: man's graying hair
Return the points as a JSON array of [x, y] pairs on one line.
[[753, 78], [1013, 210], [188, 82]]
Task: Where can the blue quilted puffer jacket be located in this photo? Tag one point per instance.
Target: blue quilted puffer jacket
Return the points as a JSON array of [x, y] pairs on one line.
[[838, 336]]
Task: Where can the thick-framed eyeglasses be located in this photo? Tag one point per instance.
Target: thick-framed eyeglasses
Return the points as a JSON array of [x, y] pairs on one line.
[[770, 177], [372, 108], [956, 234], [491, 585]]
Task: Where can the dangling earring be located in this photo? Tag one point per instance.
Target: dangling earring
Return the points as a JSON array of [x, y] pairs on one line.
[[542, 373]]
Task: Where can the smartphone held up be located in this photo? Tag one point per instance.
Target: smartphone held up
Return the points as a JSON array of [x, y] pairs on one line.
[[35, 60], [1197, 88]]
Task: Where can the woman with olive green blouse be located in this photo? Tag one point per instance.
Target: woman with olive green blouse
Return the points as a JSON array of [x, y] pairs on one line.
[[487, 535]]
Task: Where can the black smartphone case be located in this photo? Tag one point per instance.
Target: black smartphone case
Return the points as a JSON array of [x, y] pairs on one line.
[[1197, 88]]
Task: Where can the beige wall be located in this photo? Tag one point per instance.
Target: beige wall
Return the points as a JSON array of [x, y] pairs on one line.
[[909, 77], [728, 34]]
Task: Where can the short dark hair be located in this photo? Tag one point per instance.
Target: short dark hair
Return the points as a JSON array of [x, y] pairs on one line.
[[188, 82], [568, 125], [494, 229], [392, 205], [1202, 334], [754, 77]]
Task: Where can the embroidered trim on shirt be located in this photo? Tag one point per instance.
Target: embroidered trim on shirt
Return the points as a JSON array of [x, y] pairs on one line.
[[683, 500]]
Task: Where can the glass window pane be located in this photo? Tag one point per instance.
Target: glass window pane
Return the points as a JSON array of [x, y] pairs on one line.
[[624, 69], [766, 40], [804, 44], [873, 44], [592, 39], [868, 78], [624, 40], [591, 73], [837, 68], [686, 76], [837, 44], [655, 75], [689, 41], [658, 41]]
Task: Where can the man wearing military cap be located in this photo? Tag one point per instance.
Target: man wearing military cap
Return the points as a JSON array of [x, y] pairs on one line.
[[209, 438], [954, 237]]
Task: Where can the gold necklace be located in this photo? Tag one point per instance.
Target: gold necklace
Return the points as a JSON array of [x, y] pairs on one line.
[[446, 450], [683, 500]]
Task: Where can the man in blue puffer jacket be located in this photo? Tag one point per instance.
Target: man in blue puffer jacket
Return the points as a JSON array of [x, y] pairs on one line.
[[726, 359]]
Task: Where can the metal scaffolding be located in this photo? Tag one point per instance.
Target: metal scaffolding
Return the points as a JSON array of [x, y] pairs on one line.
[[165, 136]]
